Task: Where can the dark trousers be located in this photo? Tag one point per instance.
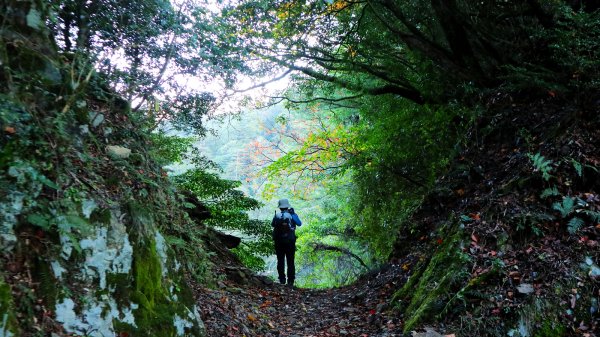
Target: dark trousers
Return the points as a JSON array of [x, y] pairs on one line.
[[285, 253]]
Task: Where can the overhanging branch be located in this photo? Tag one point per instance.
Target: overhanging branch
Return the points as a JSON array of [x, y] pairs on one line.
[[324, 247], [408, 93]]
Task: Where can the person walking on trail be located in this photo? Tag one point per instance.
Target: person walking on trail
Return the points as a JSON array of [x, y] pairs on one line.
[[284, 225]]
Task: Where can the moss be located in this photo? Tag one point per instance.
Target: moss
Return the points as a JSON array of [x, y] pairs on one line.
[[407, 290], [542, 317], [551, 329], [149, 291], [156, 311], [428, 293], [8, 321]]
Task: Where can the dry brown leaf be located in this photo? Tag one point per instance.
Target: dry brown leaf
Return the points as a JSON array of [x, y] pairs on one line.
[[266, 304]]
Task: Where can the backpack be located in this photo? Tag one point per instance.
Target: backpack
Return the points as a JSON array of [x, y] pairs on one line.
[[283, 226]]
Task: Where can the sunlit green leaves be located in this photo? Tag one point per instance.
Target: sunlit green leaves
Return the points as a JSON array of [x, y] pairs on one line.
[[228, 208]]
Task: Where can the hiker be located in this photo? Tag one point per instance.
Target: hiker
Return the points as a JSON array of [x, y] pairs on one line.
[[284, 227]]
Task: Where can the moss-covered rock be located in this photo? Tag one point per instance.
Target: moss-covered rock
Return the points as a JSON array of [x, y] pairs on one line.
[[432, 286], [129, 287], [72, 246]]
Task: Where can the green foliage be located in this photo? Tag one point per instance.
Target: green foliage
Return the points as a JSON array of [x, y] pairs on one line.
[[170, 149], [57, 118], [574, 224], [574, 46], [541, 164], [593, 215], [403, 150], [142, 48], [229, 207], [551, 329], [423, 51], [566, 207], [531, 221], [549, 192], [569, 206], [578, 167]]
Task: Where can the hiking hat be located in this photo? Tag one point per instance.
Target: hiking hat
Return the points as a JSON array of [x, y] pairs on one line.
[[283, 203]]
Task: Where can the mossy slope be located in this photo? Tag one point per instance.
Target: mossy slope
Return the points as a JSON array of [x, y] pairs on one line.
[[76, 257]]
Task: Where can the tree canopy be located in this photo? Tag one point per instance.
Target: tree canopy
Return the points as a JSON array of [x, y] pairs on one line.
[[424, 51]]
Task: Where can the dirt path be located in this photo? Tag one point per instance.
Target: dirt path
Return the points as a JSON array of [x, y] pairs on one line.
[[275, 310]]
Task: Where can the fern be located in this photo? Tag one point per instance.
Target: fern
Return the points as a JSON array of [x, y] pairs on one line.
[[594, 215], [540, 163], [574, 225], [549, 192], [565, 207]]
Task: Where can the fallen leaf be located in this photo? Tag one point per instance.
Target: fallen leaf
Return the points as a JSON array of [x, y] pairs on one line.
[[266, 304], [252, 318]]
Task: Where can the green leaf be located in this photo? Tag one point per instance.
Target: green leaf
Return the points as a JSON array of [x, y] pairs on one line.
[[44, 180], [189, 205], [578, 167], [39, 220], [595, 216], [566, 207], [574, 225], [541, 164], [34, 19], [549, 192]]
